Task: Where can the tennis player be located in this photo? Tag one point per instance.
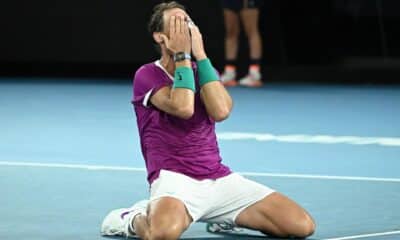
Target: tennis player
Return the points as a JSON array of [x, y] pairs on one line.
[[177, 102]]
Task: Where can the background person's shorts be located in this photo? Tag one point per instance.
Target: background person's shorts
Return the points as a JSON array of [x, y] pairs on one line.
[[214, 201], [237, 5]]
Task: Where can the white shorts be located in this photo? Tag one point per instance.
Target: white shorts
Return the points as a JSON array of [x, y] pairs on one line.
[[215, 201]]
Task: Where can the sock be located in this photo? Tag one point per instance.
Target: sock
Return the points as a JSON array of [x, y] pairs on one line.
[[254, 68], [230, 65], [254, 65]]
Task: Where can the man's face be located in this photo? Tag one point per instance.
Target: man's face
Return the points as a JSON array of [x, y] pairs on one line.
[[177, 12]]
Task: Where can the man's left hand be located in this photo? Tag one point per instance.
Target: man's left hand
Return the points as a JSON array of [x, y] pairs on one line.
[[197, 42]]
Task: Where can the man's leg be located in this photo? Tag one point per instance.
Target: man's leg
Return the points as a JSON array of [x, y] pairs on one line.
[[166, 218], [232, 31], [277, 215], [250, 18]]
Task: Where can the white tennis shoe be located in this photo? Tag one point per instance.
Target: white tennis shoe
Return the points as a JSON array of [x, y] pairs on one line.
[[253, 79], [117, 222], [228, 78], [222, 228]]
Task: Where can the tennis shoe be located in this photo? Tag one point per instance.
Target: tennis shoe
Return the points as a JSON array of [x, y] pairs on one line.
[[222, 228], [117, 222], [253, 79], [228, 78]]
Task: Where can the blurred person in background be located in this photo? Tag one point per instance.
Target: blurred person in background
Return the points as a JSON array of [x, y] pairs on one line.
[[246, 11]]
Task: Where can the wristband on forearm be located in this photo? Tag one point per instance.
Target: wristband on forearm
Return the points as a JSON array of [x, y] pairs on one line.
[[207, 72], [184, 78]]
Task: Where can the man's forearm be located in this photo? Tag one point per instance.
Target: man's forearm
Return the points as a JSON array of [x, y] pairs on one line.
[[181, 102], [217, 100], [182, 93], [215, 97]]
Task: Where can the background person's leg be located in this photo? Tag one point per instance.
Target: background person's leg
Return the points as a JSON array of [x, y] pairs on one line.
[[277, 215], [250, 17], [167, 218], [232, 31]]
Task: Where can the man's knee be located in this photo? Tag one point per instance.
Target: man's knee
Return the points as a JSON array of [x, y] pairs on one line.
[[253, 34], [167, 219], [299, 228], [304, 227], [232, 34], [232, 31], [164, 233]]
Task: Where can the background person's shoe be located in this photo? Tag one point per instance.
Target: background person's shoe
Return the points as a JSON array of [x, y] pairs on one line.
[[253, 79], [228, 78]]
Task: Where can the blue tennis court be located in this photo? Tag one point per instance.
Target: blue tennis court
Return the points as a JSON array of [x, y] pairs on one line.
[[69, 153]]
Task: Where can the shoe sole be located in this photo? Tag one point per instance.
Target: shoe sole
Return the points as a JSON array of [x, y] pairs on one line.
[[257, 84], [230, 83]]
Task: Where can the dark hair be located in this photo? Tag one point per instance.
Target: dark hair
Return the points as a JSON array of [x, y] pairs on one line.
[[156, 23]]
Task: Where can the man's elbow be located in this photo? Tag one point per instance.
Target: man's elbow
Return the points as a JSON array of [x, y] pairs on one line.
[[185, 112], [221, 114]]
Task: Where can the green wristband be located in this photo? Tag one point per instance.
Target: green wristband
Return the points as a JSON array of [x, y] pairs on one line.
[[184, 78], [207, 72]]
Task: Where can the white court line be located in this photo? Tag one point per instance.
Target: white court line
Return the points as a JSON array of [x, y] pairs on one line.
[[321, 139], [253, 174], [74, 166], [325, 177], [365, 235]]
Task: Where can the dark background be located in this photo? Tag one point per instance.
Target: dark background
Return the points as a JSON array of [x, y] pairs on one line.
[[329, 40]]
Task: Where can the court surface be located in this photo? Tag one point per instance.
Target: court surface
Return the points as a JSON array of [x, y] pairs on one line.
[[69, 153]]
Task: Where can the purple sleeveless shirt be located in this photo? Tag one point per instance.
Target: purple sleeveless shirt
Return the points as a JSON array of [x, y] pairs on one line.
[[188, 146]]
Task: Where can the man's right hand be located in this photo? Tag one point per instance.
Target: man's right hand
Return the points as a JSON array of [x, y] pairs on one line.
[[179, 37]]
